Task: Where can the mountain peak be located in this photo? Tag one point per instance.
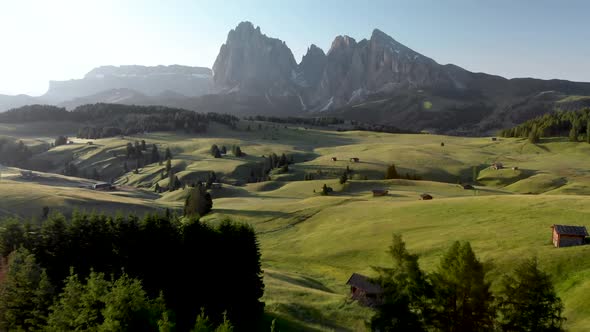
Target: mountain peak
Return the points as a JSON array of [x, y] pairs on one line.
[[250, 62], [246, 26]]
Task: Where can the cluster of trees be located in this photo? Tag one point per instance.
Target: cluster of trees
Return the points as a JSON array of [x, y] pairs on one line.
[[13, 152], [33, 113], [573, 124], [380, 128], [199, 201], [457, 295], [391, 173], [93, 271], [114, 119], [107, 120], [317, 121], [217, 152]]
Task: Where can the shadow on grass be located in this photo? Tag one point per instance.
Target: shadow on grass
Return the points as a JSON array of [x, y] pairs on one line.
[[302, 281]]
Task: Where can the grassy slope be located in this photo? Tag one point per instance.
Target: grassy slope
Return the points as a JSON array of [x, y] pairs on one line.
[[311, 244]]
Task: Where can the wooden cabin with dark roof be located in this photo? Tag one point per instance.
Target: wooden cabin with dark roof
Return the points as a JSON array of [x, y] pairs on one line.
[[364, 291], [380, 192], [568, 236], [425, 197]]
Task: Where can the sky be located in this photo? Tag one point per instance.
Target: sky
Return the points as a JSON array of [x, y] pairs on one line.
[[42, 40]]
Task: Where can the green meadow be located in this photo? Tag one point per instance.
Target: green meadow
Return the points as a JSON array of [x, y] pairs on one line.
[[312, 243]]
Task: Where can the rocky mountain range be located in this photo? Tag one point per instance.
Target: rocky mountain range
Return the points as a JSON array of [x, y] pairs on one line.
[[386, 82], [376, 79]]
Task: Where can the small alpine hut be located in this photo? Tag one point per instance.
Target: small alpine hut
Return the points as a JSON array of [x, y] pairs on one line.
[[380, 192], [467, 187], [364, 291], [103, 186], [334, 159], [355, 159], [497, 166], [425, 197], [568, 236]]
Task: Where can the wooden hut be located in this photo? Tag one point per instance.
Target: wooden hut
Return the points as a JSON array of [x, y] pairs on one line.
[[467, 187], [379, 192], [103, 186], [334, 159], [425, 197], [27, 175], [567, 236], [497, 166], [364, 291], [354, 159]]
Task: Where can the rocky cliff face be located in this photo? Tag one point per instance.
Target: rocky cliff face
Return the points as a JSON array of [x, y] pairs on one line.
[[151, 81], [250, 63]]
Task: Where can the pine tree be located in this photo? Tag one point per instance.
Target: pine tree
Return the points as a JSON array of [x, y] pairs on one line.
[[343, 178], [405, 290], [143, 147], [528, 302], [202, 323], [391, 173], [198, 202], [155, 156], [462, 298], [215, 151], [225, 326], [171, 181], [168, 166], [168, 154], [534, 135], [588, 131], [125, 167], [25, 295]]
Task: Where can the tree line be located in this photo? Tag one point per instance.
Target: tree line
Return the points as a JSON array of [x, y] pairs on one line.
[[159, 269], [572, 124], [457, 296], [13, 152], [107, 120]]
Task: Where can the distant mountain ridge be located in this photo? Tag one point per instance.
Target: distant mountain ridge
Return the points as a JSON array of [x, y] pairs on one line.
[[377, 79], [382, 80], [151, 81]]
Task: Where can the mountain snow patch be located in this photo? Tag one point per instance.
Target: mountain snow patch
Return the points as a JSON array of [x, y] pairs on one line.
[[328, 105]]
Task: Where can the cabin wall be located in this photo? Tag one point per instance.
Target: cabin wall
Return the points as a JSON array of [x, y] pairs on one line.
[[569, 241]]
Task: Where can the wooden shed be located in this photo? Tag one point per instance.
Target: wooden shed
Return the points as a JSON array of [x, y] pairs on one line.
[[364, 291], [497, 166], [355, 159], [334, 159], [425, 197], [567, 236], [380, 192], [467, 187], [102, 186]]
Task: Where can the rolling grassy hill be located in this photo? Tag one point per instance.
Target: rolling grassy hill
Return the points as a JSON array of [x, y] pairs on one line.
[[311, 243]]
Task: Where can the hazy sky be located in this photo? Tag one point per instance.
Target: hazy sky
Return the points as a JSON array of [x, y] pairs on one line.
[[44, 40]]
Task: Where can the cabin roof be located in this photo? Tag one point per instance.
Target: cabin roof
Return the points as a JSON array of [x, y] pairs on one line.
[[570, 230], [362, 282]]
